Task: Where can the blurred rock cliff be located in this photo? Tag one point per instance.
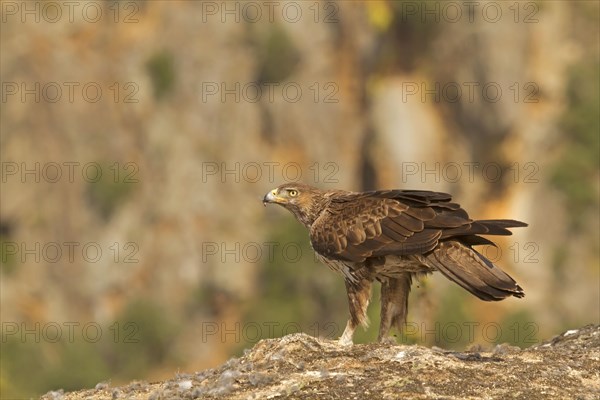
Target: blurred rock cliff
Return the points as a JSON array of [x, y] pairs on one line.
[[137, 144]]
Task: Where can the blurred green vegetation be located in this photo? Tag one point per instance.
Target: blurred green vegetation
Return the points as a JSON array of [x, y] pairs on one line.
[[576, 173], [454, 327], [161, 67], [209, 299], [111, 189], [519, 329], [8, 253], [452, 311], [405, 42], [127, 348], [297, 291], [53, 364], [277, 55], [145, 339], [9, 260]]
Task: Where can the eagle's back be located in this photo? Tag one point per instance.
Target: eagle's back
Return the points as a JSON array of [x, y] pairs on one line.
[[354, 226]]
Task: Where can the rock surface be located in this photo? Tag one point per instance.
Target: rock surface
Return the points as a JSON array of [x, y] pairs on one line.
[[303, 367]]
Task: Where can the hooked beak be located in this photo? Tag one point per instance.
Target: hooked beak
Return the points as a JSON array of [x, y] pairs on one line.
[[272, 197]]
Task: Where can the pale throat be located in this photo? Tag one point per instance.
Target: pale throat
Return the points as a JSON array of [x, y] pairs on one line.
[[307, 215], [304, 216]]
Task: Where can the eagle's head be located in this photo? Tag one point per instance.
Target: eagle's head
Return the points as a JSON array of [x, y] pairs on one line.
[[304, 201]]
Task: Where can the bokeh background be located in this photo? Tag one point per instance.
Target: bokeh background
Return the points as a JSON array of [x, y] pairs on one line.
[[138, 138]]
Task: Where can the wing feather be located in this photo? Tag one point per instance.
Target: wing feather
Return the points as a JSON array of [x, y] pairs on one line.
[[361, 225], [356, 226], [391, 233], [406, 228]]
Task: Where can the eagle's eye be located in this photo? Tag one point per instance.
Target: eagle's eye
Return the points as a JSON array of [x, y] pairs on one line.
[[293, 192]]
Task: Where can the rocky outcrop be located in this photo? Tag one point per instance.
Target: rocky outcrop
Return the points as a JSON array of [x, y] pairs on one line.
[[303, 367]]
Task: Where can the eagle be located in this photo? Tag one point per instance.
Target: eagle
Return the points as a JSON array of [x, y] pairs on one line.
[[391, 236]]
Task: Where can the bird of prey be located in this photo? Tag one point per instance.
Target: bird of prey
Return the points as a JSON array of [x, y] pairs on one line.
[[390, 236]]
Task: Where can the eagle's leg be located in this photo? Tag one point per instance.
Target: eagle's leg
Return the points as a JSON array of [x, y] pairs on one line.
[[359, 294], [394, 303]]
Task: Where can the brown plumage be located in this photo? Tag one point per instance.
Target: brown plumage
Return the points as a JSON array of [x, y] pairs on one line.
[[391, 235]]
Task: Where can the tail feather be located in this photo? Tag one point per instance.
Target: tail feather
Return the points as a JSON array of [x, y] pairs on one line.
[[473, 272], [484, 227], [499, 226], [506, 223], [475, 240]]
